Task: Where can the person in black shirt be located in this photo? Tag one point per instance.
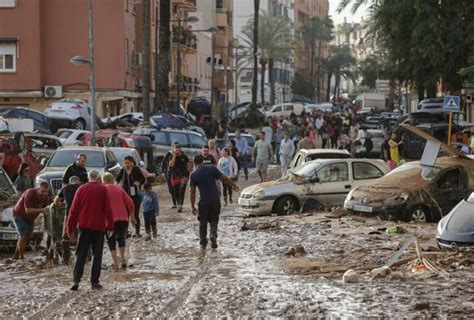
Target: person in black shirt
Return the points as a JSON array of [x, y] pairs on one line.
[[131, 179], [166, 173], [234, 152], [179, 171], [386, 148], [206, 157], [78, 169]]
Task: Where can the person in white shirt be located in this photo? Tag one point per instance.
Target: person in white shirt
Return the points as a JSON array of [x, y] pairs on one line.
[[319, 123], [228, 166], [287, 150]]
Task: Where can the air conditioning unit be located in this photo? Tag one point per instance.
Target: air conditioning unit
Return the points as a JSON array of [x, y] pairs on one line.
[[137, 59], [53, 91]]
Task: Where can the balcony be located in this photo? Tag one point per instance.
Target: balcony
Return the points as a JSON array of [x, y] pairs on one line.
[[189, 86], [187, 38], [186, 5]]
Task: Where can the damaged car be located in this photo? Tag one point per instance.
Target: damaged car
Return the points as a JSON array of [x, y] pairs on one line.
[[456, 230], [415, 192], [314, 185]]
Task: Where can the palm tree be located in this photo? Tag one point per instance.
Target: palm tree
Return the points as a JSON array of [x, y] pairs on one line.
[[146, 61], [274, 36], [340, 63], [313, 32], [162, 64]]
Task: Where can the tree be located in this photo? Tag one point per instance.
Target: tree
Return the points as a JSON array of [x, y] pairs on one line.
[[162, 63], [146, 61], [371, 69], [274, 37], [340, 63], [302, 85], [313, 32]]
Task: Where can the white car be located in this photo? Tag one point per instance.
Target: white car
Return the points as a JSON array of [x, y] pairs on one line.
[[315, 185], [306, 155], [285, 110], [71, 137], [132, 117], [71, 112]]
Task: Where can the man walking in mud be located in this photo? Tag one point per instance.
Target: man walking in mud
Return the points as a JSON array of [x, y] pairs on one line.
[[91, 214], [209, 206]]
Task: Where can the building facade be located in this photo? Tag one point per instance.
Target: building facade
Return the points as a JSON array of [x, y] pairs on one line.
[[40, 41], [283, 70], [304, 10]]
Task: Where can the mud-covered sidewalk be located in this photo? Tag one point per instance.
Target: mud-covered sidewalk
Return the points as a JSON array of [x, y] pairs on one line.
[[259, 270]]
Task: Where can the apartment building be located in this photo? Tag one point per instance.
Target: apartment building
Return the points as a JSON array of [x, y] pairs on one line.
[[304, 10], [39, 37]]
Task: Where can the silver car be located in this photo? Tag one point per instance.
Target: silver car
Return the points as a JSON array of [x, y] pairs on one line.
[[314, 185]]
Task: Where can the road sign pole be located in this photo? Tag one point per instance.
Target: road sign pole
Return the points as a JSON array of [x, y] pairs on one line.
[[450, 127]]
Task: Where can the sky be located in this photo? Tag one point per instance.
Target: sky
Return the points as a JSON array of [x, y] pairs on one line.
[[338, 18]]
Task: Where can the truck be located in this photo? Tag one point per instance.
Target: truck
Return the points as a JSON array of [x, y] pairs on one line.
[[368, 101]]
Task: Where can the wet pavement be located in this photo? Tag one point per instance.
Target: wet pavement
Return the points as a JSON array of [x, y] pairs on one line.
[[253, 273]]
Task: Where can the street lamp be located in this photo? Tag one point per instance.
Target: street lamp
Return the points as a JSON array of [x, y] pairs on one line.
[[79, 61]]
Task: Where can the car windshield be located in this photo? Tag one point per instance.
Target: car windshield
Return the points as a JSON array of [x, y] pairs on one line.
[[63, 158], [120, 154], [426, 172], [6, 188], [63, 134], [328, 155], [307, 169]]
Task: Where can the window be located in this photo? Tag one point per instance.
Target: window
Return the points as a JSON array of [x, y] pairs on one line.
[[450, 180], [196, 141], [289, 108], [333, 172], [277, 109], [160, 138], [7, 3], [7, 57], [364, 171], [37, 117], [179, 137]]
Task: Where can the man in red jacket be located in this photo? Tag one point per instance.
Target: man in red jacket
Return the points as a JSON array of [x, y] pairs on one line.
[[90, 212]]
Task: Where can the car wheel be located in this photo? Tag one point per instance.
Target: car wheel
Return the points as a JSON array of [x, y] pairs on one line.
[[418, 214], [286, 205], [312, 205], [78, 124]]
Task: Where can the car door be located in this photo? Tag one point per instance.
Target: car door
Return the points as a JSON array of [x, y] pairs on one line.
[[161, 143], [276, 111], [450, 188], [197, 142], [363, 172], [333, 184], [288, 109], [40, 124]]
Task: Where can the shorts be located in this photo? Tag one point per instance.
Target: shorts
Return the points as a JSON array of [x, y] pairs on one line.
[[23, 227], [261, 164]]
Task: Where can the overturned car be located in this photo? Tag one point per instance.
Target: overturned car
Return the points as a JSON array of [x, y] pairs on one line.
[[456, 230], [416, 192]]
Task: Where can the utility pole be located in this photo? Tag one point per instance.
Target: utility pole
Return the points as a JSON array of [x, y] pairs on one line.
[[146, 61], [256, 13], [178, 66], [163, 57], [213, 95], [91, 76]]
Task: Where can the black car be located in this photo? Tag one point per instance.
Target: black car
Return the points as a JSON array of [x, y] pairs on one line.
[[166, 120], [456, 230], [41, 122]]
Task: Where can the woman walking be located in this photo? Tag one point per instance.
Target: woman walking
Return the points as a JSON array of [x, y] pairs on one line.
[[120, 204], [228, 166], [131, 179], [23, 181], [179, 173]]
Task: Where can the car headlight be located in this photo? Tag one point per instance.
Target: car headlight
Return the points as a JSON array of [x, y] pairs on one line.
[[441, 225], [402, 197], [259, 194]]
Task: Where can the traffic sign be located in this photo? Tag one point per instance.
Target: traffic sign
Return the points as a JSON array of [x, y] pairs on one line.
[[451, 103]]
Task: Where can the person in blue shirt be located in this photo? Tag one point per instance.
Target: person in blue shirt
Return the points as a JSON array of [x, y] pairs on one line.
[[204, 178], [151, 208]]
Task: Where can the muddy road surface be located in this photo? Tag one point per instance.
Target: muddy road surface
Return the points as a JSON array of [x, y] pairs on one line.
[[277, 267]]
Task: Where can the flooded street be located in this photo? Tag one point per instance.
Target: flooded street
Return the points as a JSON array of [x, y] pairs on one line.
[[253, 273]]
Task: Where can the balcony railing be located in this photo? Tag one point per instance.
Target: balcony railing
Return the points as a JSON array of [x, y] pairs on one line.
[[186, 37]]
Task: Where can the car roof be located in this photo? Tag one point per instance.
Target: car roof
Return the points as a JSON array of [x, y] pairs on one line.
[[83, 148], [121, 149], [349, 160], [33, 134], [323, 151]]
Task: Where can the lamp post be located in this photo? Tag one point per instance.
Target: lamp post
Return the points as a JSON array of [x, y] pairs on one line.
[[78, 60]]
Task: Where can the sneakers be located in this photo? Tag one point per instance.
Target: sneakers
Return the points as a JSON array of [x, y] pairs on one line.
[[147, 237], [180, 209], [213, 241], [96, 286], [75, 287]]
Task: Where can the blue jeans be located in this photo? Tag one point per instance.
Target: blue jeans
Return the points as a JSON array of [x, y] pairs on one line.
[[244, 165]]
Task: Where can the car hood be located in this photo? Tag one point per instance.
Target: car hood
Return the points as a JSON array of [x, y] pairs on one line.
[[6, 215], [57, 170], [266, 186], [458, 225]]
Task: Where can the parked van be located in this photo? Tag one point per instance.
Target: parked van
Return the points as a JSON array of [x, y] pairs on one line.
[[285, 110]]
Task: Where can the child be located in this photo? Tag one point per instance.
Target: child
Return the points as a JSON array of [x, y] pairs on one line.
[[151, 209]]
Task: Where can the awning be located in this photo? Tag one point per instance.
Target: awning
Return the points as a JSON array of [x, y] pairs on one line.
[[21, 94], [8, 40]]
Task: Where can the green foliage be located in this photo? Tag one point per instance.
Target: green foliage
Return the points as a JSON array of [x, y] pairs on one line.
[[302, 85], [373, 68]]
